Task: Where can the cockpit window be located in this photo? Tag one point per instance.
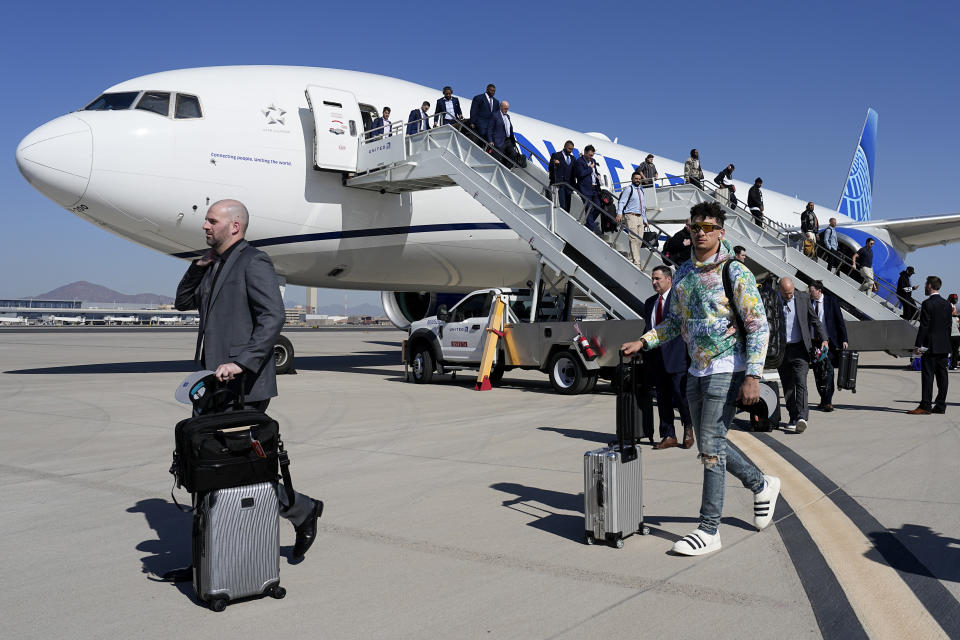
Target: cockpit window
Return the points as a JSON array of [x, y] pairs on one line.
[[188, 106], [113, 101], [155, 101]]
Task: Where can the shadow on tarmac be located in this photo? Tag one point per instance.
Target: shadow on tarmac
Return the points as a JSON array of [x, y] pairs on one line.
[[917, 549], [571, 526], [170, 547], [583, 434], [156, 366]]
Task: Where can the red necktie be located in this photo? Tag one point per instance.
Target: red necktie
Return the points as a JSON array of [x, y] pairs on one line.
[[659, 317]]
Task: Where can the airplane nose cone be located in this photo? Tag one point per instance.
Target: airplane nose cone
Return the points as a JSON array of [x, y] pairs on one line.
[[56, 159]]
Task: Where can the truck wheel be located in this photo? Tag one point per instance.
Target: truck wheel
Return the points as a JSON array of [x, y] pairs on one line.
[[422, 365], [591, 383], [283, 355], [566, 375]]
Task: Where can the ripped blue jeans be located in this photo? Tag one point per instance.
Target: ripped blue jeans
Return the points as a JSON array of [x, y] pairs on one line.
[[712, 400]]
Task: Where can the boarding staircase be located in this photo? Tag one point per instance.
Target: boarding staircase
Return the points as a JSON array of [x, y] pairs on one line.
[[445, 156]]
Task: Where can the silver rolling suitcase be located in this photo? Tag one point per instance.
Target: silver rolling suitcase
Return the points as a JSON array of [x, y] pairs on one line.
[[612, 494], [236, 544], [612, 483]]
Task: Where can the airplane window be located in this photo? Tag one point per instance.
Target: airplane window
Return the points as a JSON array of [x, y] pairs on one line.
[[113, 101], [188, 106], [155, 101]]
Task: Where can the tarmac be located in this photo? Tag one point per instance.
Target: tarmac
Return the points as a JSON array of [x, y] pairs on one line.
[[457, 513]]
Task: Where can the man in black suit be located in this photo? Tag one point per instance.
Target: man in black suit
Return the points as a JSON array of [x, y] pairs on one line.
[[668, 366], [933, 345], [419, 119], [484, 105], [798, 318], [500, 135], [827, 308], [235, 289], [561, 170], [448, 109]]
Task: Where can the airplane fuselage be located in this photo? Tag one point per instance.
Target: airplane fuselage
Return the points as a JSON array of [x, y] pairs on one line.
[[150, 177]]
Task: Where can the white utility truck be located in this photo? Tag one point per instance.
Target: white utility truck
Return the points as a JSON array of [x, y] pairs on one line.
[[537, 334]]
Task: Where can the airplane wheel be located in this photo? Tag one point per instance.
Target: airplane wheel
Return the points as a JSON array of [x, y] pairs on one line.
[[283, 355]]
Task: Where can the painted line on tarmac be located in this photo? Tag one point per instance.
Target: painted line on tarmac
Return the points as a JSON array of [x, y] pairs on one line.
[[937, 599], [880, 598]]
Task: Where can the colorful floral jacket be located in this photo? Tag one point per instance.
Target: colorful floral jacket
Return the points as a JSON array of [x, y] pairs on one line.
[[701, 314]]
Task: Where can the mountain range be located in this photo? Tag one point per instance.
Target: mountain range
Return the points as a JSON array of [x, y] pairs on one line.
[[89, 292]]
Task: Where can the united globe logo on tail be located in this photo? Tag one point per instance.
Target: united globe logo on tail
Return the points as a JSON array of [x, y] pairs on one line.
[[857, 194]]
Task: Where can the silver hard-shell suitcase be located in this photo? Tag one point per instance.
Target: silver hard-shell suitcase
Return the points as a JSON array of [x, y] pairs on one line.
[[236, 544], [612, 494]]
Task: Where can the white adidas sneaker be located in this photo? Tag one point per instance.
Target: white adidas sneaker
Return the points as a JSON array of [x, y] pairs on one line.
[[765, 502], [697, 543]]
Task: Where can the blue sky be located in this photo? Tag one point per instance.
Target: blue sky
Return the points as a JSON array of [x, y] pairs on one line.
[[779, 89]]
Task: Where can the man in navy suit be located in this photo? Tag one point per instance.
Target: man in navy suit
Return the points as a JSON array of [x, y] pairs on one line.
[[668, 365], [381, 125], [448, 109], [827, 308], [587, 181], [419, 119], [933, 345], [561, 170], [482, 108], [500, 134], [803, 330]]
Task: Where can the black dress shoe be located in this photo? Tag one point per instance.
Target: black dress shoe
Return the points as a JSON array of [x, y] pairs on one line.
[[183, 574], [938, 410], [307, 532]]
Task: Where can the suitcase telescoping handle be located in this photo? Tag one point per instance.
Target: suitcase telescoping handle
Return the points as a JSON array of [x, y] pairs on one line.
[[626, 454]]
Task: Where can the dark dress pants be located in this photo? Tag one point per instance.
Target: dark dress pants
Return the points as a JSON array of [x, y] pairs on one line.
[[563, 197], [933, 366], [823, 376], [303, 506], [671, 389], [793, 375], [593, 213]]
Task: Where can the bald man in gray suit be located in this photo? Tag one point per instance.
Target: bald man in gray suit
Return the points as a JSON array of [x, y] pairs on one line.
[[235, 289]]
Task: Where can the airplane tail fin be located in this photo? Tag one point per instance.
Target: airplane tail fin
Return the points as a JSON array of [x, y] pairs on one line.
[[858, 191]]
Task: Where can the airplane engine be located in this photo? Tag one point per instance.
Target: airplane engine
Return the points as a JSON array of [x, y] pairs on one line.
[[404, 307]]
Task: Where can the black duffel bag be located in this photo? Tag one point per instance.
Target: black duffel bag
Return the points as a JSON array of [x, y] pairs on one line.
[[226, 449]]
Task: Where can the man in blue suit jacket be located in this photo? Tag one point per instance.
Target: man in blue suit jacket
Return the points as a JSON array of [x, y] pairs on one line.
[[419, 119], [500, 134], [483, 106], [587, 181], [668, 366], [441, 114], [561, 170], [381, 125], [831, 317]]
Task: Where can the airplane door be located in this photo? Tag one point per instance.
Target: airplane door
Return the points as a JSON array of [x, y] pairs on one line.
[[336, 124]]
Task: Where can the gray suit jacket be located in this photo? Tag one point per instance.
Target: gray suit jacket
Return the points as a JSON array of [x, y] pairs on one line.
[[808, 320], [240, 318]]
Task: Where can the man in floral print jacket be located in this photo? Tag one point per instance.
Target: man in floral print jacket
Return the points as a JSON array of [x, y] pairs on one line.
[[724, 367]]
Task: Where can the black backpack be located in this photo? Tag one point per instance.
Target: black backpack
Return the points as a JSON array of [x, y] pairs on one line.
[[777, 344]]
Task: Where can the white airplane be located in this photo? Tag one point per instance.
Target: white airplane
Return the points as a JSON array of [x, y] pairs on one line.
[[121, 319], [10, 320], [146, 158]]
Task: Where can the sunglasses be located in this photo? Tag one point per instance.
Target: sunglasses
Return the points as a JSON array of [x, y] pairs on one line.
[[706, 227]]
